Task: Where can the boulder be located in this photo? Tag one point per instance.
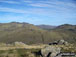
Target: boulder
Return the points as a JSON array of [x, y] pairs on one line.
[[60, 42], [50, 51], [20, 44]]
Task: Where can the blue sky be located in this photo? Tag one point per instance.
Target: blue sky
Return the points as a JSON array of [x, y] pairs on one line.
[[49, 12]]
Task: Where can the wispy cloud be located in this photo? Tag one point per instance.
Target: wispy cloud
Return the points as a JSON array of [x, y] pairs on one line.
[[37, 10], [27, 1], [52, 4], [46, 4], [43, 8], [5, 9], [39, 5], [10, 2], [29, 11]]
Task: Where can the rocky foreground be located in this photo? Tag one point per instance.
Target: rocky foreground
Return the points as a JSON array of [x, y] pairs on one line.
[[19, 49]]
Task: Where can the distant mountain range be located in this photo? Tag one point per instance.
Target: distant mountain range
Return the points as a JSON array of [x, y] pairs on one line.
[[31, 34], [46, 26]]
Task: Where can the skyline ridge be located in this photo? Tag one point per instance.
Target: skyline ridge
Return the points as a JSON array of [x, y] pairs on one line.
[[35, 24]]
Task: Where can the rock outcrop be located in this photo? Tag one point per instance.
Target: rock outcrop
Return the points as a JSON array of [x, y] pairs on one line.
[[20, 44], [60, 42], [50, 51]]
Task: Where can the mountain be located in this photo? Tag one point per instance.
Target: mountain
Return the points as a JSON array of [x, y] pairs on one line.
[[29, 33], [67, 26], [46, 26], [67, 31]]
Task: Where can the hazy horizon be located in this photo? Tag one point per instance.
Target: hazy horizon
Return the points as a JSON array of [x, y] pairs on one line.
[[37, 24]]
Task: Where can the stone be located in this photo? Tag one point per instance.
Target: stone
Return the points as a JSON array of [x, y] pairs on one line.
[[61, 42], [20, 44], [50, 51]]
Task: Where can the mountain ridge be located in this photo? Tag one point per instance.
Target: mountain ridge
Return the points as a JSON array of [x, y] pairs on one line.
[[29, 33], [46, 26]]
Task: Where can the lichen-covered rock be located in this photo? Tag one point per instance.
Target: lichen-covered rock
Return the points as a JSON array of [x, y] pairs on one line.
[[62, 42], [59, 42], [52, 50], [19, 44]]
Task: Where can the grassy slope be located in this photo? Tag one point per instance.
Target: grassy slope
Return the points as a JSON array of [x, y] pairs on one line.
[[29, 33]]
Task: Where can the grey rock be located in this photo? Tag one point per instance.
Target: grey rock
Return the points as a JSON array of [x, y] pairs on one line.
[[60, 42], [50, 51]]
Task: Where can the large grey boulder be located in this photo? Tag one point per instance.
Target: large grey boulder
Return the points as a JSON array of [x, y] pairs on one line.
[[50, 51]]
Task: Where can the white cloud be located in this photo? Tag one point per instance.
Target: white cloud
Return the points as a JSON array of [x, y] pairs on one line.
[[36, 11], [31, 11], [39, 5], [10, 2], [43, 8], [5, 9], [52, 4], [27, 1], [46, 4]]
